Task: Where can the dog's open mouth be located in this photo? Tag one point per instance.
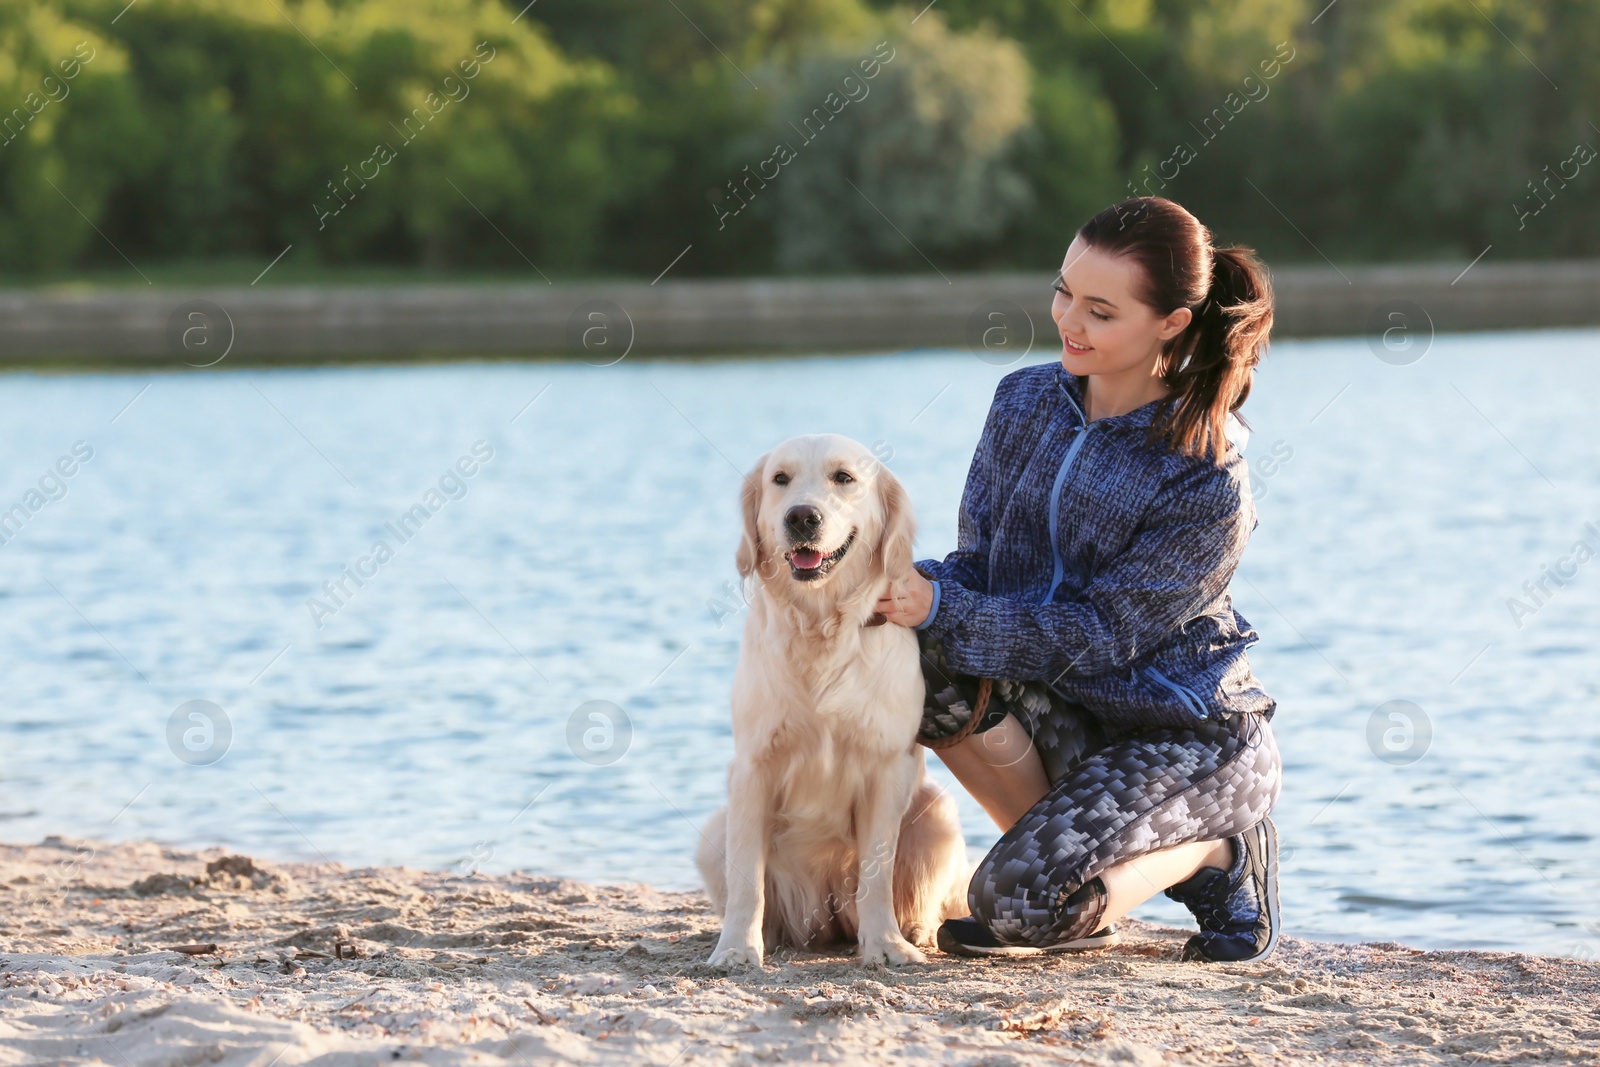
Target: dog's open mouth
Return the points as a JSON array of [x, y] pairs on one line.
[[807, 563]]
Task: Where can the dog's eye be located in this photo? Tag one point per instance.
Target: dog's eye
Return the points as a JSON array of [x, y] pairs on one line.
[[843, 477], [780, 479]]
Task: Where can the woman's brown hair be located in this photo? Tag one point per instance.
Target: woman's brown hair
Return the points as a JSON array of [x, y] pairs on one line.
[[1210, 365]]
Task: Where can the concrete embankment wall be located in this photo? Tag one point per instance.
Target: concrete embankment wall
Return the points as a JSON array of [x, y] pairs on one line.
[[602, 321]]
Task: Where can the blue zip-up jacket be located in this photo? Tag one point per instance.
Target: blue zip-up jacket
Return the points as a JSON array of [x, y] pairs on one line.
[[1099, 564]]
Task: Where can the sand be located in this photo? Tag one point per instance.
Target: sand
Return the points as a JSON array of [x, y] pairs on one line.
[[137, 954]]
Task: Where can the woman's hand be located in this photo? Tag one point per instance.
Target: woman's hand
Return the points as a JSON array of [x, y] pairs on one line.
[[908, 600]]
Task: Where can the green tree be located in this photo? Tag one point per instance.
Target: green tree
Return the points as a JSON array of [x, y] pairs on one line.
[[912, 162], [63, 86], [705, 74], [363, 131]]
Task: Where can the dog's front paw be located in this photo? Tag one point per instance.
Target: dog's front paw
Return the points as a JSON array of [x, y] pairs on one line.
[[732, 956], [920, 935], [893, 950]]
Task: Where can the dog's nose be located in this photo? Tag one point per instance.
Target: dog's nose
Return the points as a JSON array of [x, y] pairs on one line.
[[803, 521]]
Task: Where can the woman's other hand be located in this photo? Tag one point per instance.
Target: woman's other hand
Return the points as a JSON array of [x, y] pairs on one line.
[[908, 601]]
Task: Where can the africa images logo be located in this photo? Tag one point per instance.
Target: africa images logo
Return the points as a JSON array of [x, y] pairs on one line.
[[855, 90]]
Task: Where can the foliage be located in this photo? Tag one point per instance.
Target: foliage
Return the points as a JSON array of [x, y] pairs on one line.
[[900, 150], [1401, 129], [609, 135], [62, 85], [363, 131]]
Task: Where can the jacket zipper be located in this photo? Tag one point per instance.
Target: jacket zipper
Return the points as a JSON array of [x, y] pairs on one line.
[[1058, 571], [1190, 699], [1184, 693]]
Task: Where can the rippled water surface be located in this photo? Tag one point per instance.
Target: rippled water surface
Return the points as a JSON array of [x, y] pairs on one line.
[[426, 716]]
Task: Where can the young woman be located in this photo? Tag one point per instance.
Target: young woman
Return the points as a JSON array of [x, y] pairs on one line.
[[1087, 674]]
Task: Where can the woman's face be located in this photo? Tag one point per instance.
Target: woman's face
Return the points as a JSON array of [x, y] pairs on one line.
[[1104, 329]]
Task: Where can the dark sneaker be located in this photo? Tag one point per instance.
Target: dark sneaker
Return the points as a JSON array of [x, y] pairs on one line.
[[1237, 908], [968, 937]]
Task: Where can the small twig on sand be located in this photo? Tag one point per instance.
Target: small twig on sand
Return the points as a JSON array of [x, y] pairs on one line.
[[196, 950]]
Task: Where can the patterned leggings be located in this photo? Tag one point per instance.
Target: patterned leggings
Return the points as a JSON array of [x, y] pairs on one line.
[[1109, 802]]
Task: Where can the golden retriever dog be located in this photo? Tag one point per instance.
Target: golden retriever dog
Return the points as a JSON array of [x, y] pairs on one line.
[[831, 832]]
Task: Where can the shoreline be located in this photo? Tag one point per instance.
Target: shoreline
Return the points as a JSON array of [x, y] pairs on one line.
[[997, 317], [138, 954]]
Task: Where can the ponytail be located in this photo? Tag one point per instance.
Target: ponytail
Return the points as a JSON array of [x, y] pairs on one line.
[[1210, 365]]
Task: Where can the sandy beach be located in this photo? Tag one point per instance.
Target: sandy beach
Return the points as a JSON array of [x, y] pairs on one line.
[[137, 955]]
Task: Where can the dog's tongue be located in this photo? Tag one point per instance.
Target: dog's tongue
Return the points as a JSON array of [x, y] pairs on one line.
[[807, 559]]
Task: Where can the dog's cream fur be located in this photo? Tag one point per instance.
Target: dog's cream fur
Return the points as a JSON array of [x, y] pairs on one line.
[[831, 831]]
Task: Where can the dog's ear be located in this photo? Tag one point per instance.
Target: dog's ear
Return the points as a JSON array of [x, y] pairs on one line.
[[899, 525], [749, 553]]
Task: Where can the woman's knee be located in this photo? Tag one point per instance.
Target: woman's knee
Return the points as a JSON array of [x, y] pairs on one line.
[[1017, 890], [1014, 910], [1040, 908]]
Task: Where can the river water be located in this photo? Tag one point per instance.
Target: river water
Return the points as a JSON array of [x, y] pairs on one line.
[[569, 551]]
